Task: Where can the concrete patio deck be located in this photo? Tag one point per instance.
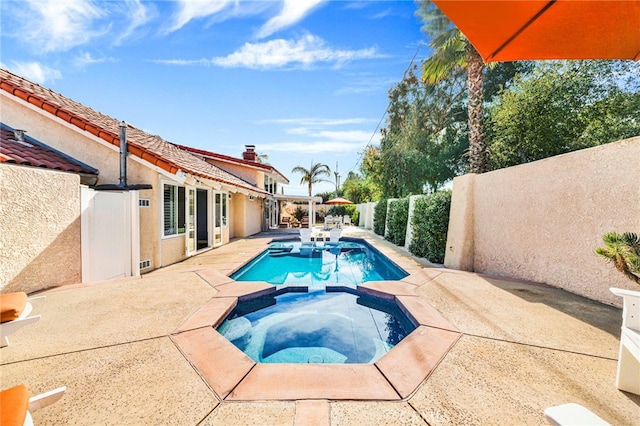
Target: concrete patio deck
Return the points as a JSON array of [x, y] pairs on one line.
[[523, 347]]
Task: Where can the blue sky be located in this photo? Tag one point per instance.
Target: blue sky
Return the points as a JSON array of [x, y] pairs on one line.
[[303, 80]]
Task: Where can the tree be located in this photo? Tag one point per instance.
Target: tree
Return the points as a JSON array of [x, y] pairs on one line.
[[423, 145], [452, 51], [313, 174], [358, 189], [561, 107], [624, 252]]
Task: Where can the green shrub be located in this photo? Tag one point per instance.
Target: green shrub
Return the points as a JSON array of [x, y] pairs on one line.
[[397, 221], [299, 213], [380, 217], [430, 222]]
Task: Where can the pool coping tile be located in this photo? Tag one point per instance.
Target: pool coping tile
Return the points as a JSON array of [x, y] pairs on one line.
[[244, 290], [218, 362], [314, 381], [213, 277], [387, 289], [422, 313], [413, 359], [211, 314]]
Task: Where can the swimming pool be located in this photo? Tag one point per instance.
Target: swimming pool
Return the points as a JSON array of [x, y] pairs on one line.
[[317, 315], [322, 326], [349, 262]]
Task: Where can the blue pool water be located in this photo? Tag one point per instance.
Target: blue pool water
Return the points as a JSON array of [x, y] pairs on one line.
[[316, 327], [315, 266], [317, 314]]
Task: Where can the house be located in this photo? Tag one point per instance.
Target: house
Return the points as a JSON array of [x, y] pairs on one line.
[[253, 171], [40, 238], [178, 200]]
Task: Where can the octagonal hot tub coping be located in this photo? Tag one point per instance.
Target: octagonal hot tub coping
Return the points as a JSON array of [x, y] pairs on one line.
[[233, 376]]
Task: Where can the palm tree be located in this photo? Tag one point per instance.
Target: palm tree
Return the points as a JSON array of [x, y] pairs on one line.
[[452, 52], [624, 252], [313, 174]]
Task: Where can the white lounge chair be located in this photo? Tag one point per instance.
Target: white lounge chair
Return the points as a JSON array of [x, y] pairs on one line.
[[17, 406], [628, 374], [15, 308], [334, 235], [305, 235], [573, 415]]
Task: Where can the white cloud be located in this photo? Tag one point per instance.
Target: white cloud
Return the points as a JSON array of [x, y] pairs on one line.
[[87, 58], [58, 25], [292, 12], [320, 147], [138, 15], [194, 9], [35, 71], [281, 53], [360, 136], [365, 83], [318, 122]]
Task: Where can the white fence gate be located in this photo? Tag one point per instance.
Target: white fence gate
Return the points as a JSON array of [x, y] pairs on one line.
[[110, 235]]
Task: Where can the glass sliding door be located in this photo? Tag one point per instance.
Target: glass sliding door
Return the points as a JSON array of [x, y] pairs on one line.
[[217, 220], [191, 221]]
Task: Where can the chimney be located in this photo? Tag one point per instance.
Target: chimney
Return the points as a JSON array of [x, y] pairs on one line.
[[250, 153]]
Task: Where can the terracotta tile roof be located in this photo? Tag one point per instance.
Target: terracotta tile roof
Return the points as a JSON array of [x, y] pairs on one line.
[[208, 154], [151, 148], [34, 153]]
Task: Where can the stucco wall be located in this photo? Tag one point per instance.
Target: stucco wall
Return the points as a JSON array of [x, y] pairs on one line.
[[246, 216], [84, 147], [542, 221], [246, 173], [40, 222]]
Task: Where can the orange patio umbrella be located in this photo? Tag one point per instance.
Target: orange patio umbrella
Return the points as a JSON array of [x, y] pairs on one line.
[[548, 29], [339, 200]]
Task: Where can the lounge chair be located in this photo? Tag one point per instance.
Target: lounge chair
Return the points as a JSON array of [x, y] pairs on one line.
[[304, 223], [347, 220], [628, 374], [572, 415], [285, 222], [14, 314], [305, 235], [16, 406]]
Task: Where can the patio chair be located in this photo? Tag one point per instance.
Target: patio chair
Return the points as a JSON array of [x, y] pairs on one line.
[[347, 220], [572, 415], [17, 406], [304, 223], [628, 374], [305, 235], [14, 314], [285, 222], [334, 235]]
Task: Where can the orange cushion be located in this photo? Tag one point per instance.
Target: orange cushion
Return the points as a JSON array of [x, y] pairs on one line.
[[14, 403], [12, 305]]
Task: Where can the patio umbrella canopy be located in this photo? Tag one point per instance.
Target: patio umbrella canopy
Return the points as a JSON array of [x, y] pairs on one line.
[[338, 201], [548, 29]]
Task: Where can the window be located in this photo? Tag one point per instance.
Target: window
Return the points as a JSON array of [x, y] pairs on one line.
[[224, 210], [270, 184], [174, 209], [221, 210]]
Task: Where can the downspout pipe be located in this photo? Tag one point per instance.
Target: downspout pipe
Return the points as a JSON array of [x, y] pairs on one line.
[[123, 155]]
